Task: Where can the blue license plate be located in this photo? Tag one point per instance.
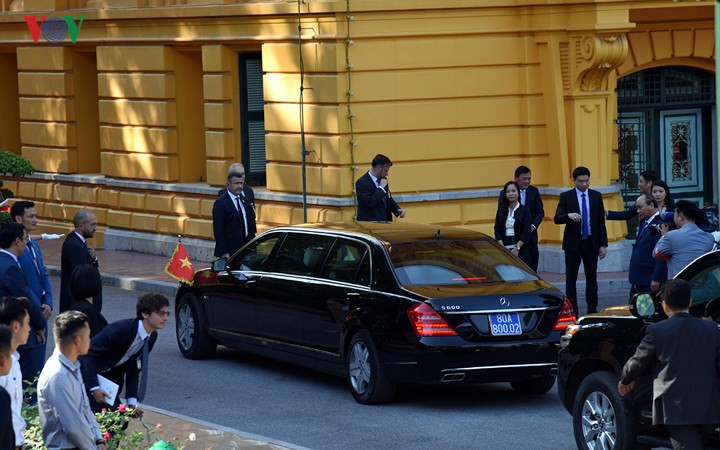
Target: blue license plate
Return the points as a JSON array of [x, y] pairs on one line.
[[505, 324]]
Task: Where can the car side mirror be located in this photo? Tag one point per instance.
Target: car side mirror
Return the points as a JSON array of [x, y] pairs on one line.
[[219, 265], [645, 306]]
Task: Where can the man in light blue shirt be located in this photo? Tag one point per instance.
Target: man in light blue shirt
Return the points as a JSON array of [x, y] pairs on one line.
[[680, 247], [65, 415]]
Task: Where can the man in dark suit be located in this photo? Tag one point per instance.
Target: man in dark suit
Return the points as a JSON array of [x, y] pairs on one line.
[[7, 433], [234, 216], [75, 252], [13, 240], [646, 273], [530, 197], [32, 354], [585, 237], [116, 351], [374, 202], [684, 353]]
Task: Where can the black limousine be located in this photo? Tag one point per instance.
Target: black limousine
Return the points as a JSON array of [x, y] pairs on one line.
[[382, 304]]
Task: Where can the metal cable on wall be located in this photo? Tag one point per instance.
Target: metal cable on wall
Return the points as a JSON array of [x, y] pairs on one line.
[[350, 114]]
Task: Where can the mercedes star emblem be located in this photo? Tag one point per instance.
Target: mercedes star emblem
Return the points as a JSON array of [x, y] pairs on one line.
[[504, 302]]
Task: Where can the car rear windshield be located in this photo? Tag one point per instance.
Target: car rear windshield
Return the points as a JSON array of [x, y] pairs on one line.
[[455, 262]]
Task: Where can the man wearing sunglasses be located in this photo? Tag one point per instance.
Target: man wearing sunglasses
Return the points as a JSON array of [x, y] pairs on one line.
[[120, 353]]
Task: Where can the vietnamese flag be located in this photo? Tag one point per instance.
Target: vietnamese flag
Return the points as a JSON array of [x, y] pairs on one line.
[[179, 267]]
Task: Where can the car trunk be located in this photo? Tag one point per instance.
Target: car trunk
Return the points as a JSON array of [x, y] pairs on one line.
[[496, 311]]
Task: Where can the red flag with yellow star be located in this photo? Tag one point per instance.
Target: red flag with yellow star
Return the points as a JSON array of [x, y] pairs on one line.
[[179, 267]]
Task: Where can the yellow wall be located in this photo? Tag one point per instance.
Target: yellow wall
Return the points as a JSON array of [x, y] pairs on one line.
[[457, 93]]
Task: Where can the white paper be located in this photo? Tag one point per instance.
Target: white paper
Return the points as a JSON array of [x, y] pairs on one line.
[[109, 387]]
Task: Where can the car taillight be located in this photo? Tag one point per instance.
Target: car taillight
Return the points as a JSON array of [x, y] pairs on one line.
[[566, 316], [428, 322]]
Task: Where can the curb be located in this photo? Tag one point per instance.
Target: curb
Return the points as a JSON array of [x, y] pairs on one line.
[[129, 283], [240, 433], [613, 284]]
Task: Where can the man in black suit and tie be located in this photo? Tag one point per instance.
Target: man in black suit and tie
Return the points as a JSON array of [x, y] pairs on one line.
[[645, 183], [585, 238], [75, 252], [374, 202], [684, 353], [646, 273], [13, 240], [530, 197], [116, 351], [234, 216]]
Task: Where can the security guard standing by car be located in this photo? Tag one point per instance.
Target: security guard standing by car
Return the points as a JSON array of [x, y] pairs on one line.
[[685, 355]]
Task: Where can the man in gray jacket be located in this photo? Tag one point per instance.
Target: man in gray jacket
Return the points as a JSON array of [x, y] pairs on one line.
[[65, 415], [684, 353], [680, 247]]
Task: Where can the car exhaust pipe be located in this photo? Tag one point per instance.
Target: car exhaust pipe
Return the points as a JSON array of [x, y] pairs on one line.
[[452, 377]]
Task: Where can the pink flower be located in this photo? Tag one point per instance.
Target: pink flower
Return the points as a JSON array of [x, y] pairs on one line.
[[122, 408], [158, 426], [104, 410], [106, 436]]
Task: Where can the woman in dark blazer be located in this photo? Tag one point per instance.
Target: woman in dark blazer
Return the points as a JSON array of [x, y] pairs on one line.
[[85, 284], [512, 222]]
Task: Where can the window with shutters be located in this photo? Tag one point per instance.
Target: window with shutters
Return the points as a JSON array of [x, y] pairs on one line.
[[252, 117]]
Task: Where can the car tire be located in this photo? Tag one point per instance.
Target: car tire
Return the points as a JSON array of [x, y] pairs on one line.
[[534, 386], [364, 372], [598, 393], [191, 329]]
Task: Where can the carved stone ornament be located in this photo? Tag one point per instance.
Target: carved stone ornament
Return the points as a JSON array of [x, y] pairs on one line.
[[595, 57]]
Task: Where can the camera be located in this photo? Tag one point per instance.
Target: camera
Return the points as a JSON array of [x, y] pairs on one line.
[[667, 218]]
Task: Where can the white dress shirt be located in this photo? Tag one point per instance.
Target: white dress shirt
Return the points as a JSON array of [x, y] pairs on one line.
[[238, 200], [376, 181], [12, 383]]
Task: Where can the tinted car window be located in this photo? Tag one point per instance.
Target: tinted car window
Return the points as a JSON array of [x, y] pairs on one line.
[[344, 260], [705, 285], [302, 254], [255, 256], [455, 262]]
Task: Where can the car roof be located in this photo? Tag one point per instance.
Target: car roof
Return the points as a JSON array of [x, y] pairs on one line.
[[389, 232]]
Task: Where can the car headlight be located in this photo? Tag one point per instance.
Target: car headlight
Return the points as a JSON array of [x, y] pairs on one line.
[[569, 333]]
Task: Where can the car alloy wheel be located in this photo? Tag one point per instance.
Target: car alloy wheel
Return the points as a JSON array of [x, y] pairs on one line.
[[191, 328], [602, 418], [598, 422], [185, 327], [364, 371], [359, 367]]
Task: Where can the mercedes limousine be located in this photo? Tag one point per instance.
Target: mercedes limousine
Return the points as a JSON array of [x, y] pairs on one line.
[[381, 304]]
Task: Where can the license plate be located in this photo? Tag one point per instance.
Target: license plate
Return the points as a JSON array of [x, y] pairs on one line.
[[505, 324]]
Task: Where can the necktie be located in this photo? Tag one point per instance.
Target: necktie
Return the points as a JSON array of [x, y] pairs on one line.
[[522, 197], [585, 228], [241, 210], [642, 227], [30, 250], [144, 370]]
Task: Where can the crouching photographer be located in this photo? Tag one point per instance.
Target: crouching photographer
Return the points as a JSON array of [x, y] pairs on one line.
[[681, 246]]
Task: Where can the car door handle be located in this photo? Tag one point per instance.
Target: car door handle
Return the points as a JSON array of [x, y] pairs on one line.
[[250, 283], [353, 295]]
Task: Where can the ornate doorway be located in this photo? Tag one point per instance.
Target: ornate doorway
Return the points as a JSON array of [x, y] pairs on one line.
[[665, 123]]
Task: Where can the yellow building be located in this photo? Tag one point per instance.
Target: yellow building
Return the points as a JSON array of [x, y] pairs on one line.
[[136, 108]]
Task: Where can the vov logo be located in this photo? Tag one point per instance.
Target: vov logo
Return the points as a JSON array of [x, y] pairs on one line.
[[54, 29]]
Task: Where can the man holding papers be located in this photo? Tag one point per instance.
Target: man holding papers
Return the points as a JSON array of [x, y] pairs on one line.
[[119, 353], [65, 415]]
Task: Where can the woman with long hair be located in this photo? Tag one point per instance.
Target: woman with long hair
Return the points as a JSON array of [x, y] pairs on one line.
[[661, 193], [512, 222]]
